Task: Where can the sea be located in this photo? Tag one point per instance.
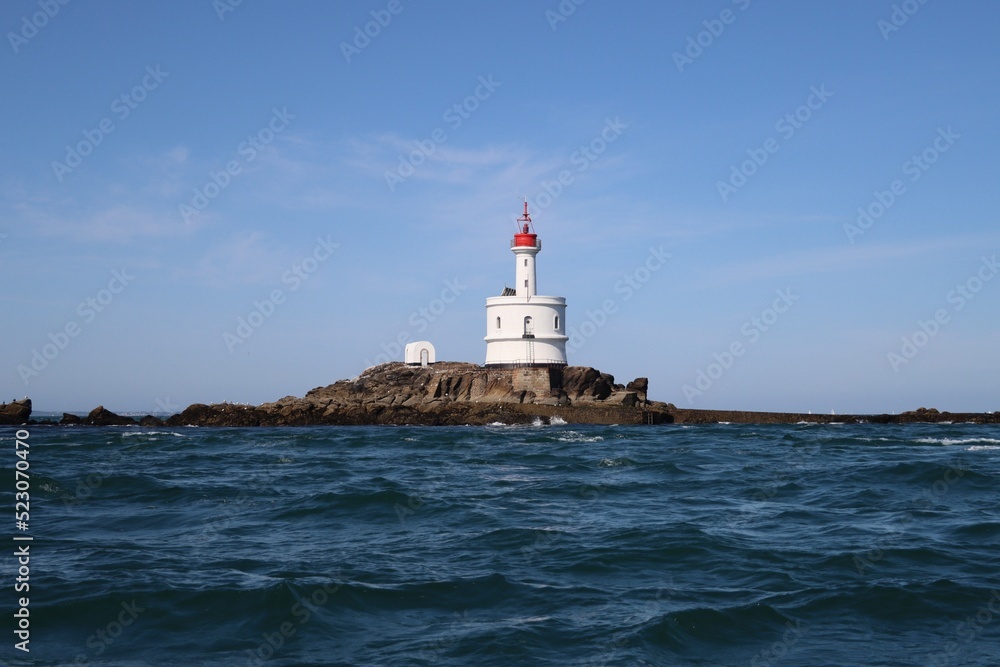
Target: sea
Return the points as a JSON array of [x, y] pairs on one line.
[[545, 544]]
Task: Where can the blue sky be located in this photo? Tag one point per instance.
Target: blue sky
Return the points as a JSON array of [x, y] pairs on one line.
[[171, 168]]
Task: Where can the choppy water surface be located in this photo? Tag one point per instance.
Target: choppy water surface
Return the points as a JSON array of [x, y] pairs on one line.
[[544, 545]]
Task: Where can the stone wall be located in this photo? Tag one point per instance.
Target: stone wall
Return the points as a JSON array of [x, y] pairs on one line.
[[539, 381]]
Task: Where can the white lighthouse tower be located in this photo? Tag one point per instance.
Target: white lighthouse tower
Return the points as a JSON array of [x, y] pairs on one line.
[[522, 328]]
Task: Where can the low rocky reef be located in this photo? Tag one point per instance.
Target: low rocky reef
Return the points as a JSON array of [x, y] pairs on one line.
[[452, 393], [920, 415]]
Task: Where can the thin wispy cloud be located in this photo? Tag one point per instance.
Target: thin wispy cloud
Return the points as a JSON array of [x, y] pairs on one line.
[[245, 258], [840, 258]]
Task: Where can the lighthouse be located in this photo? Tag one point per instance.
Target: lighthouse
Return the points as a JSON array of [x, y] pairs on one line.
[[524, 329]]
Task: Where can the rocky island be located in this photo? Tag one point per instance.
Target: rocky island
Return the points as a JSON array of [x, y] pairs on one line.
[[454, 393], [449, 393]]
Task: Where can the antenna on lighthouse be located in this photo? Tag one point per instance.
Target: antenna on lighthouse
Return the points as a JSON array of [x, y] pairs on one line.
[[526, 218]]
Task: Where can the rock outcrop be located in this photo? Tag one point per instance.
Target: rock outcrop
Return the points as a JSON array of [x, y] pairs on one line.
[[447, 393], [15, 413], [99, 416]]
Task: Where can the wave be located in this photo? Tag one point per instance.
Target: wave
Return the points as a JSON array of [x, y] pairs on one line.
[[956, 441], [509, 545], [575, 436], [692, 628], [615, 463]]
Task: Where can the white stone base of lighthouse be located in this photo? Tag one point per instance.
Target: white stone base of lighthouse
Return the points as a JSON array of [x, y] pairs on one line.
[[526, 332]]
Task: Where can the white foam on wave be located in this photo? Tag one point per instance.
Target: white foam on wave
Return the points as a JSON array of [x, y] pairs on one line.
[[982, 448], [956, 441], [127, 434], [575, 436], [613, 463], [557, 421]]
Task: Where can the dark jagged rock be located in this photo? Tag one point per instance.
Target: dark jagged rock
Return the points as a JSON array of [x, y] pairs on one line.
[[70, 419], [925, 414], [102, 417], [15, 413], [640, 386], [150, 421]]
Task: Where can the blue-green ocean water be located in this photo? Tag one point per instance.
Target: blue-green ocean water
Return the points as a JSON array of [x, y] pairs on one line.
[[541, 545]]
